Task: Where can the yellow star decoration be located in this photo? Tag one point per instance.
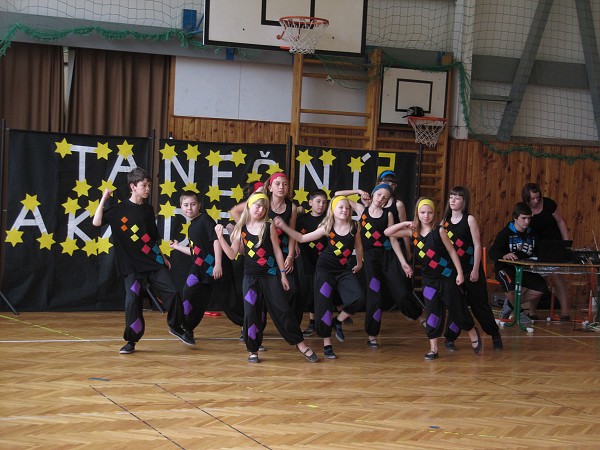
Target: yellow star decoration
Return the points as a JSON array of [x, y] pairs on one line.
[[69, 246], [192, 152], [327, 158], [71, 206], [63, 148], [303, 157], [30, 202], [214, 212], [355, 164], [46, 240], [168, 188], [184, 228], [125, 149], [237, 193], [90, 247], [327, 191], [14, 237], [102, 151], [301, 195], [107, 185], [103, 245], [168, 152], [164, 248], [81, 188], [238, 157], [214, 193], [354, 197], [92, 206], [167, 210], [214, 158], [274, 169], [191, 186], [252, 177]]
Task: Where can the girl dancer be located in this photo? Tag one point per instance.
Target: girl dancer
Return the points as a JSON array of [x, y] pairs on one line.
[[434, 250], [332, 270], [261, 286]]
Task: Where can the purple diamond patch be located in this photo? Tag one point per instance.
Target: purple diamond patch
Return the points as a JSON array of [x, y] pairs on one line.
[[377, 315], [253, 331], [187, 307], [327, 318], [251, 296], [326, 289], [429, 292], [192, 280], [136, 326], [375, 284], [136, 286], [433, 320]]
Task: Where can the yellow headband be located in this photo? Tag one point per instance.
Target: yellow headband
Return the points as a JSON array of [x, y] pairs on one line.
[[336, 200], [423, 202], [254, 197]]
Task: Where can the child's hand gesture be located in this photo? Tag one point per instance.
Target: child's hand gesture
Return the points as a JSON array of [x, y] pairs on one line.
[[278, 221], [407, 270], [284, 282], [107, 193], [219, 230]]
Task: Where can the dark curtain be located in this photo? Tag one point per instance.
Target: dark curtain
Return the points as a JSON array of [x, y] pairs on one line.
[[119, 93], [32, 87]]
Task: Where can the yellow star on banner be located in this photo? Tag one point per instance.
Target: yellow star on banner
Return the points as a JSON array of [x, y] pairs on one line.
[[102, 151], [214, 212], [167, 210], [355, 164], [63, 148], [164, 248], [252, 177], [168, 152], [214, 158], [214, 193], [30, 202], [192, 152], [327, 191], [81, 187], [107, 185], [103, 245], [237, 193], [185, 227], [46, 240], [238, 157], [71, 206], [168, 188], [191, 186], [14, 237], [327, 158], [303, 157], [69, 246], [92, 206], [125, 149], [274, 169], [90, 247], [354, 197], [300, 195]]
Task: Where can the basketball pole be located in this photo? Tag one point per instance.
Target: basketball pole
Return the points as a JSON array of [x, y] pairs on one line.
[[2, 151]]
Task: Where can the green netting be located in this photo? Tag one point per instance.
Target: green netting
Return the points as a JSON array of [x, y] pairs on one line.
[[467, 30]]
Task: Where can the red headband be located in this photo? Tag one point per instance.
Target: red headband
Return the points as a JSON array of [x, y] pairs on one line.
[[277, 175]]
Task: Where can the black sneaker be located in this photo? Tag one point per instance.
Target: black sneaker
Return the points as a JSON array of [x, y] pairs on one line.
[[189, 335], [182, 337], [430, 356], [450, 346], [253, 358], [328, 352], [348, 321], [127, 348], [262, 348], [339, 334], [310, 329], [497, 342]]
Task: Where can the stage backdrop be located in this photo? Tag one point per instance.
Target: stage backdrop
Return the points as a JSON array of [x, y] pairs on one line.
[[55, 259]]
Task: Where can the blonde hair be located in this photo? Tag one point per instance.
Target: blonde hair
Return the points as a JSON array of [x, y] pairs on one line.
[[328, 221], [237, 230], [422, 201]]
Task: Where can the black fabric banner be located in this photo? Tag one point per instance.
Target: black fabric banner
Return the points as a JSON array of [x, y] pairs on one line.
[[55, 259], [338, 169]]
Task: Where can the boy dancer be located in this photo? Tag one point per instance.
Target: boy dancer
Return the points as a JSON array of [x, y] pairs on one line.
[[138, 258]]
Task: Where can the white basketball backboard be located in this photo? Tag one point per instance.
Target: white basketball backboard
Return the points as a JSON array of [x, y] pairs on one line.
[[255, 23]]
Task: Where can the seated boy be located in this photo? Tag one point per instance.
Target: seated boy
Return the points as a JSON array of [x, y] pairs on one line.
[[515, 242]]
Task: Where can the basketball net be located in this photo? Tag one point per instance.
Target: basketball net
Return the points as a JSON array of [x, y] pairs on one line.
[[427, 129], [302, 32]]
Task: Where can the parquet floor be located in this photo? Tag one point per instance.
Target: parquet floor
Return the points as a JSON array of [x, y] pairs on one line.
[[63, 385]]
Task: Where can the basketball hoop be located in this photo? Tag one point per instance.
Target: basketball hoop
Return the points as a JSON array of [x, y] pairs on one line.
[[427, 129], [302, 32]]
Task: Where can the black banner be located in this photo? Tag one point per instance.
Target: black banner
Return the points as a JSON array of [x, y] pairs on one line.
[[55, 259]]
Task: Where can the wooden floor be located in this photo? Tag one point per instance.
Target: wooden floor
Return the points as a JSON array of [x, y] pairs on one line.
[[64, 385]]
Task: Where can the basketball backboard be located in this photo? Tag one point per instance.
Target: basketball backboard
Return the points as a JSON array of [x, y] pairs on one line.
[[403, 88], [255, 23]]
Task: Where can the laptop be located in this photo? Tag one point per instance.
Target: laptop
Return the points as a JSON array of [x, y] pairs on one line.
[[554, 250]]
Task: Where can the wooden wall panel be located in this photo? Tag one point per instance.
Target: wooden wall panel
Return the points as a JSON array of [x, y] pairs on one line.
[[495, 183]]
